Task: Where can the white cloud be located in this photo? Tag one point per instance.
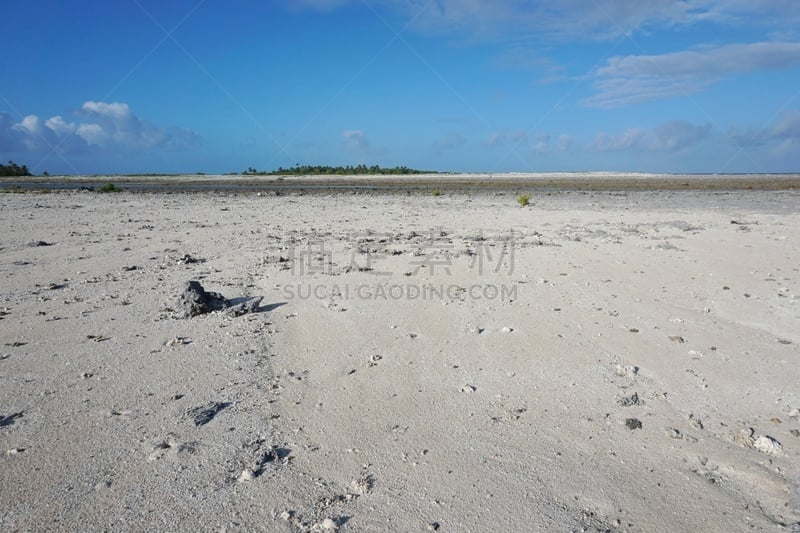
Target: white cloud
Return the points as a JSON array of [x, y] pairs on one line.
[[59, 126], [541, 145], [106, 127], [450, 142], [781, 136], [356, 142], [565, 142], [570, 19], [631, 79], [669, 137], [501, 138], [114, 111]]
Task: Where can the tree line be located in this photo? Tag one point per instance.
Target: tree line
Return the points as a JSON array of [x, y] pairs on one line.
[[325, 170], [13, 169]]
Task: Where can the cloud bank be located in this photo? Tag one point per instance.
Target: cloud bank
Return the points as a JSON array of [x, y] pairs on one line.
[[639, 78], [783, 136], [669, 137], [99, 127], [569, 19]]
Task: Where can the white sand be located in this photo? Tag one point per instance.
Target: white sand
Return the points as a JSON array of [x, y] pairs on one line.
[[647, 310]]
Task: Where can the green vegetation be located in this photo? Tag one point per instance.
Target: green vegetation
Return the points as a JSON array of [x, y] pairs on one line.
[[13, 169], [436, 192], [324, 170], [109, 187], [524, 199]]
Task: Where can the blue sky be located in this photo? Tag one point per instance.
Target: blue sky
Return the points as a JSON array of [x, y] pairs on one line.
[[463, 85]]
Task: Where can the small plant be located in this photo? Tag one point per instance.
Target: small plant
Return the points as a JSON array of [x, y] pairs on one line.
[[523, 199], [109, 187], [436, 192]]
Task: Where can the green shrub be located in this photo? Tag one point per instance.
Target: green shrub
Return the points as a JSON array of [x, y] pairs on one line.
[[436, 192], [109, 187], [524, 199]]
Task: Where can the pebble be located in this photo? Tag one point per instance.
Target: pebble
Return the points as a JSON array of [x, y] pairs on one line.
[[469, 388], [766, 444], [507, 329], [628, 401], [633, 423], [178, 341], [626, 371], [15, 451], [328, 525], [246, 475]]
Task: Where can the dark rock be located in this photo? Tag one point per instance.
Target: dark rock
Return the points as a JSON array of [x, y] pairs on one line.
[[205, 413], [628, 401], [195, 300], [633, 423], [250, 305]]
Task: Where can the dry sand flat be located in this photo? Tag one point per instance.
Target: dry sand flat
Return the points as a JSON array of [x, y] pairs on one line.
[[636, 369]]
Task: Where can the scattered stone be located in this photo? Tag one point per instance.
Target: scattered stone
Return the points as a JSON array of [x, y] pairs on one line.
[[633, 423], [178, 341], [507, 329], [784, 341], [628, 401], [286, 515], [626, 371], [259, 455], [86, 375], [766, 444], [246, 475], [251, 305], [7, 420], [695, 422], [795, 432], [15, 451], [677, 338], [328, 525], [745, 437], [130, 268], [363, 485], [36, 244], [205, 413], [763, 443], [634, 330], [674, 433], [188, 260], [469, 388], [434, 526]]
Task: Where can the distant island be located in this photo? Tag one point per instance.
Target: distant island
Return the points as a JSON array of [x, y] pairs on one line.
[[324, 170], [13, 169]]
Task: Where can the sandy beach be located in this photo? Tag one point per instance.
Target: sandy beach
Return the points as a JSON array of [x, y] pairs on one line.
[[607, 360]]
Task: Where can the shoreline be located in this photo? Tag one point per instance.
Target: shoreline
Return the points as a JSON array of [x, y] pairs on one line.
[[589, 181]]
